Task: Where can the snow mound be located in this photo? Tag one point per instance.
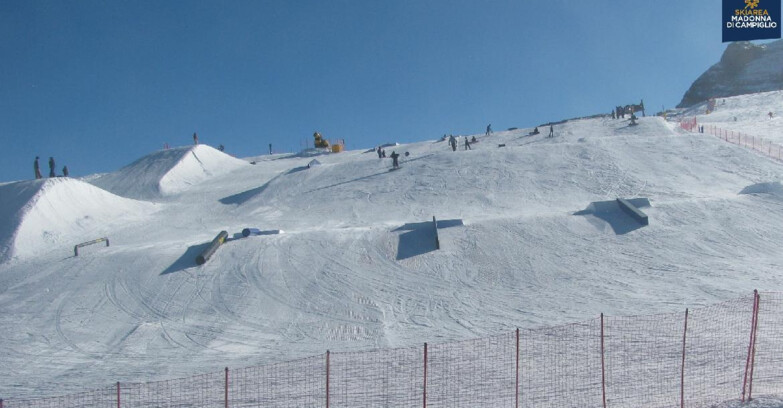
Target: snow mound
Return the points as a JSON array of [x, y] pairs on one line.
[[773, 188], [39, 214], [168, 172]]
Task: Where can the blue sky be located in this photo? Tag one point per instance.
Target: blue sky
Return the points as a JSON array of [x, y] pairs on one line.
[[98, 84]]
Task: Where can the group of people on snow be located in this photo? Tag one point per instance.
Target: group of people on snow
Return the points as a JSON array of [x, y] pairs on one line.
[[37, 168]]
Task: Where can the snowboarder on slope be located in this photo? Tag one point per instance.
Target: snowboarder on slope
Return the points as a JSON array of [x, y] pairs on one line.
[[394, 157], [453, 143], [489, 130], [51, 167], [551, 131], [467, 144], [37, 169]]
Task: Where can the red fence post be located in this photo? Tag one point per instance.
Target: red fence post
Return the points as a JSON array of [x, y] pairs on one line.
[[682, 372], [118, 396], [327, 378], [753, 356], [516, 389], [750, 343], [603, 366], [425, 375]]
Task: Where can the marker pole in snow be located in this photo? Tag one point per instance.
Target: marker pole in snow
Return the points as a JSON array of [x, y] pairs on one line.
[[425, 375], [516, 388], [226, 396], [682, 371], [603, 369]]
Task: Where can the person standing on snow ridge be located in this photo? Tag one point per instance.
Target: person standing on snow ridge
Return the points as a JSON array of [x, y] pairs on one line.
[[453, 143], [551, 131], [467, 144], [65, 171], [37, 169], [394, 157], [195, 138], [51, 167], [489, 130]]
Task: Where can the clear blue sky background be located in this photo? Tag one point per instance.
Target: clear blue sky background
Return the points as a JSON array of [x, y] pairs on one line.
[[98, 84]]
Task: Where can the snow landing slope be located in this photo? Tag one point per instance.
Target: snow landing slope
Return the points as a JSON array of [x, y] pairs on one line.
[[168, 172], [522, 245], [41, 214]]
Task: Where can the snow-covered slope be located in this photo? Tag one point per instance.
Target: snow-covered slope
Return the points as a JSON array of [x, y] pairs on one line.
[[748, 114], [522, 245], [168, 172], [744, 68], [44, 214]]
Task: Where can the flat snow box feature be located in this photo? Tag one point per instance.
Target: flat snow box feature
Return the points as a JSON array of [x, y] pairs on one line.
[[255, 231], [630, 209], [213, 246], [95, 241]]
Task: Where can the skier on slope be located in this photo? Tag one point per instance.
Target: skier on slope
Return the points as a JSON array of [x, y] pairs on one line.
[[51, 167]]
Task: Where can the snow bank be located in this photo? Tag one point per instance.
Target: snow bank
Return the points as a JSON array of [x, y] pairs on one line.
[[40, 214], [168, 172]]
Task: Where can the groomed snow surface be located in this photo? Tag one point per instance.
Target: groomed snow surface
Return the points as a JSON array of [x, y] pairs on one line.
[[354, 270]]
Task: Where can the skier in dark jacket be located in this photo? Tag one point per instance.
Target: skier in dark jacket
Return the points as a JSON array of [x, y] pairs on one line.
[[394, 157], [37, 168], [467, 144], [551, 131], [51, 167], [65, 171]]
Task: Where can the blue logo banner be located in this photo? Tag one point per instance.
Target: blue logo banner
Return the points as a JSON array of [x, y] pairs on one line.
[[745, 20]]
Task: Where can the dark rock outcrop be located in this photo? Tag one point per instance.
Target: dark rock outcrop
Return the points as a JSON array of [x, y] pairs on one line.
[[744, 68]]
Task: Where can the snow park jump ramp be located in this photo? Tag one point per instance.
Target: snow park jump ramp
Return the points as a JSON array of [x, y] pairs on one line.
[[167, 172], [41, 214]]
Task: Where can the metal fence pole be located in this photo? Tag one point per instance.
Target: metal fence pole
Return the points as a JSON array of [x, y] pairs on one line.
[[516, 388], [603, 366], [750, 343], [119, 404], [682, 371], [753, 355], [327, 378], [425, 375]]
